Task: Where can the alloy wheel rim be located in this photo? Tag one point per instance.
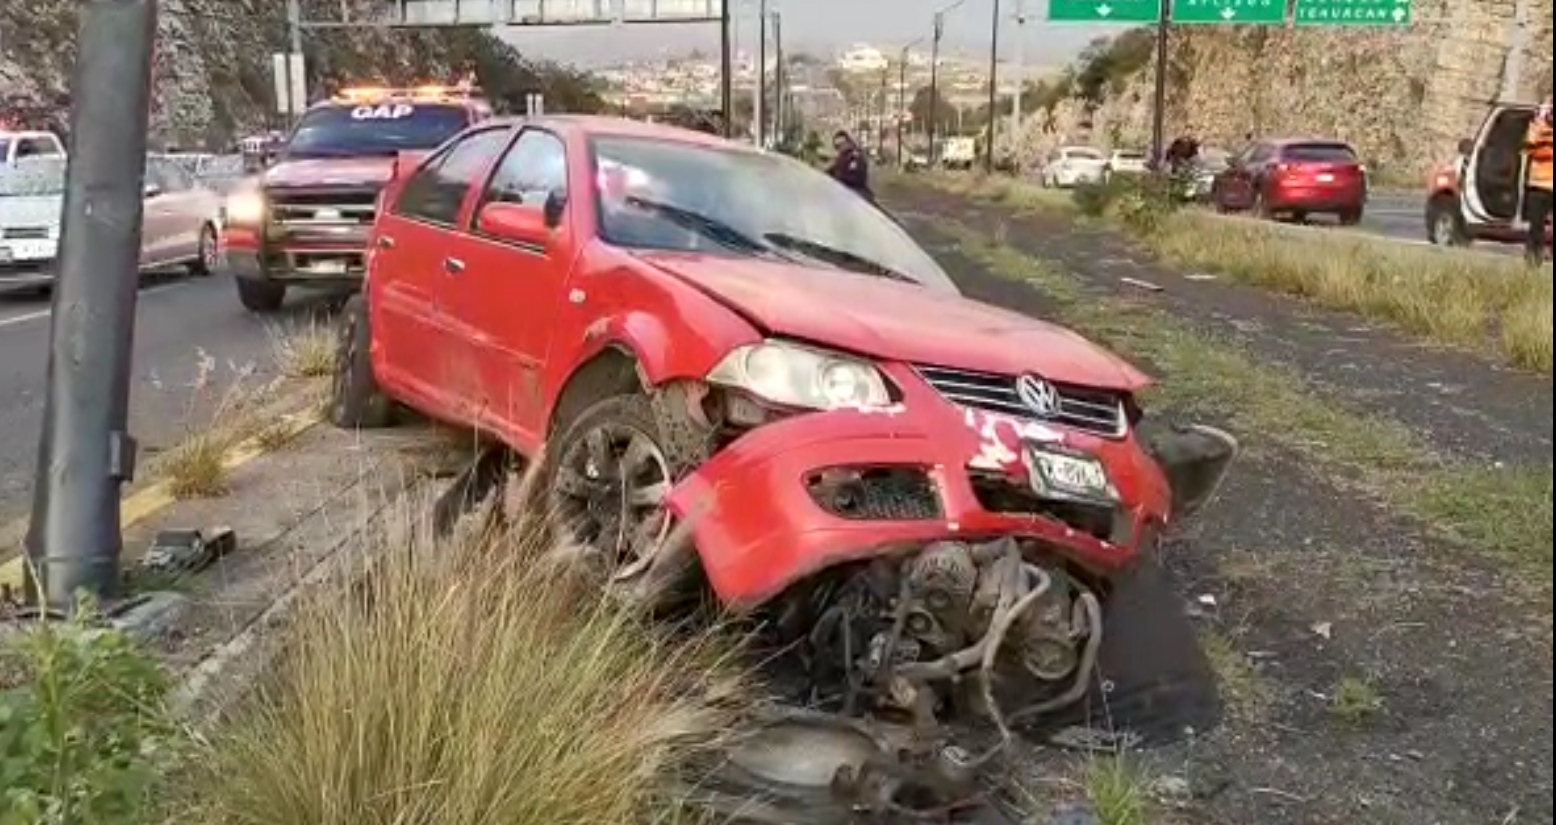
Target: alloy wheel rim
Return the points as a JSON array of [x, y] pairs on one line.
[[610, 488], [208, 249], [1444, 230]]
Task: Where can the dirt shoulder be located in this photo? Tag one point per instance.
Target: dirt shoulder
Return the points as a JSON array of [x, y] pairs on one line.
[[1376, 668], [1462, 403]]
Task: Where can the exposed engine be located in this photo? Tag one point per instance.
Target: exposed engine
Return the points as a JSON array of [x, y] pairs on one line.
[[956, 627]]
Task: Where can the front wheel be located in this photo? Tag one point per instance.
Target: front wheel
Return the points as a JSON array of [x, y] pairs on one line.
[[356, 400], [207, 253], [1444, 224], [260, 296]]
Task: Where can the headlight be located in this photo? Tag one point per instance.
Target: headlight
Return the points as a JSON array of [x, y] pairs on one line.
[[791, 375], [245, 208]]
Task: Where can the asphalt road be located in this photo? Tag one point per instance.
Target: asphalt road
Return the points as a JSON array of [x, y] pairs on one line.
[[177, 320], [1393, 215]]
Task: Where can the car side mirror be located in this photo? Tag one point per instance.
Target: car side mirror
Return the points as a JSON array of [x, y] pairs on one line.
[[515, 222], [556, 204], [1466, 146]]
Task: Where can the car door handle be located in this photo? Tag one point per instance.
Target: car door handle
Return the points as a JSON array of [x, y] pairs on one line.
[[385, 242], [453, 266]]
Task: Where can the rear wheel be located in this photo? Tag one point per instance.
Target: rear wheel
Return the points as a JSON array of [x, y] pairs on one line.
[[1444, 224], [260, 296], [1351, 217], [207, 253]]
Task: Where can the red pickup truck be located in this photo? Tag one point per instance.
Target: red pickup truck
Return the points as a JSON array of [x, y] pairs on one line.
[[304, 221]]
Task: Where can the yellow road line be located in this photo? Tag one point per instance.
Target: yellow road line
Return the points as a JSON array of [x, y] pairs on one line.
[[148, 500]]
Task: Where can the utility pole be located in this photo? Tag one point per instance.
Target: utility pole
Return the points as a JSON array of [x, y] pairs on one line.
[[1015, 107], [294, 25], [759, 106], [1159, 99], [779, 86], [85, 452], [902, 93], [994, 53], [726, 69], [934, 91]]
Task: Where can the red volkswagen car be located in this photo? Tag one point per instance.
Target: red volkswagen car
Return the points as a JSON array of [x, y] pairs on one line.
[[698, 331], [1294, 179]]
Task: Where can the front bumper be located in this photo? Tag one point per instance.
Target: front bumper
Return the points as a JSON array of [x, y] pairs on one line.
[[760, 527], [327, 264], [28, 263], [1317, 199]]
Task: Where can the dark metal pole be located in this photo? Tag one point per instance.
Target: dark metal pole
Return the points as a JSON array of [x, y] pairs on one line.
[[994, 54], [880, 129], [934, 91], [85, 453], [1159, 99], [726, 65], [780, 120], [761, 75], [902, 92]]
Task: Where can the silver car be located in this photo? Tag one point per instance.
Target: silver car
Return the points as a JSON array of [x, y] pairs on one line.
[[180, 225]]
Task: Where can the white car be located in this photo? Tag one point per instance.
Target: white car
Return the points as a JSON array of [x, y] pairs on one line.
[[179, 225], [1070, 166], [15, 146], [1125, 162]]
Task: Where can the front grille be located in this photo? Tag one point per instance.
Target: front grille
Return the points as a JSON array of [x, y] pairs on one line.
[[875, 493], [25, 233], [1083, 408], [323, 208]]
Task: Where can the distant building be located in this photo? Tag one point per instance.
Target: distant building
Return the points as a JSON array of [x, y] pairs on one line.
[[863, 58]]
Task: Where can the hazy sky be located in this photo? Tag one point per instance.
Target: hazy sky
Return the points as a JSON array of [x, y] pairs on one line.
[[821, 26]]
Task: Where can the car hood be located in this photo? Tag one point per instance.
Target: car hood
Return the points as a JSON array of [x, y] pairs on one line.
[[31, 210], [895, 321], [366, 171]]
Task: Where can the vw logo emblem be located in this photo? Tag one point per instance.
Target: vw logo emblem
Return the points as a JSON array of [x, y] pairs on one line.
[[1041, 397]]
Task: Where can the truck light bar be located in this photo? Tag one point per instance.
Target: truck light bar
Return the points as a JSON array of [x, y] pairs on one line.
[[364, 94]]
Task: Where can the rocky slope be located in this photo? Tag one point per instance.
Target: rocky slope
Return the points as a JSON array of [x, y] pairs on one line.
[[1402, 97], [212, 77]]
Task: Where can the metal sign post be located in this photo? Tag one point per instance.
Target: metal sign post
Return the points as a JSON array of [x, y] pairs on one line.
[[85, 453]]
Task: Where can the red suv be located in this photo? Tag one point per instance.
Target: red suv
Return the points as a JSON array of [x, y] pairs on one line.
[[697, 331], [1294, 178], [304, 222]]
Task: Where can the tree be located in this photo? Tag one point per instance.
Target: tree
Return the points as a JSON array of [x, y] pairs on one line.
[[944, 112]]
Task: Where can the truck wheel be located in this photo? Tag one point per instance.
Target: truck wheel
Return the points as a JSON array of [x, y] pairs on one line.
[[356, 402], [1444, 224], [260, 296]]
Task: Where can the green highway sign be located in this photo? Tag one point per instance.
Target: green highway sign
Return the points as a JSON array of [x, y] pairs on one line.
[[1229, 11], [1352, 13], [1104, 11]]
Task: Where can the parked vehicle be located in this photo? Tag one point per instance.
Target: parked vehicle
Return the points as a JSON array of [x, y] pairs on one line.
[[304, 221], [1069, 166], [1479, 194], [179, 221], [17, 145], [1125, 162], [1199, 177], [959, 153], [1294, 178], [684, 322]]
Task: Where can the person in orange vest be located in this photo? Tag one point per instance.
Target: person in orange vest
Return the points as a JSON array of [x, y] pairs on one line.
[[1537, 186]]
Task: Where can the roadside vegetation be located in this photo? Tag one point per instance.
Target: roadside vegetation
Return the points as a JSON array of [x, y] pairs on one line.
[[1451, 297], [1504, 511]]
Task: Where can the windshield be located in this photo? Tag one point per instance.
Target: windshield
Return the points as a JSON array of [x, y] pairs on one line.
[[381, 129], [1129, 155], [1083, 154], [1319, 153], [33, 177], [655, 194]]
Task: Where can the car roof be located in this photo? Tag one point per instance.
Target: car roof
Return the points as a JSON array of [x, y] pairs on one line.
[[605, 126]]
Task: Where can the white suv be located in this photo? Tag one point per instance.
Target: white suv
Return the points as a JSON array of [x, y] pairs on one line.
[[1070, 166], [17, 145]]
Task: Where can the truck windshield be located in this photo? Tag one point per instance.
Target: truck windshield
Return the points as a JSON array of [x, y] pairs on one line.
[[375, 129], [32, 177]]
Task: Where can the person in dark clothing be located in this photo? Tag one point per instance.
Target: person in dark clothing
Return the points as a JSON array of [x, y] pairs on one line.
[[850, 167]]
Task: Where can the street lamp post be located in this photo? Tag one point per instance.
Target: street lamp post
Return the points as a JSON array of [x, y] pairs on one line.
[[934, 77], [759, 106]]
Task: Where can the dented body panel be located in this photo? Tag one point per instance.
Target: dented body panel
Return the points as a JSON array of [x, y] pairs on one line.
[[758, 530]]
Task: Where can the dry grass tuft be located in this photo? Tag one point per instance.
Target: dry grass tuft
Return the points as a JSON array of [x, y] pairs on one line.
[[1245, 692], [305, 349], [1118, 793], [464, 682], [197, 467]]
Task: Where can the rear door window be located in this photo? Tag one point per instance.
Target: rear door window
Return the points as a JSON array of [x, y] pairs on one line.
[[436, 190], [534, 168], [1318, 153]]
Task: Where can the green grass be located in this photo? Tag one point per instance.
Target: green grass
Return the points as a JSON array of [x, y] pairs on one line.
[[1355, 700], [1503, 511], [1457, 298], [1117, 792], [1246, 693]]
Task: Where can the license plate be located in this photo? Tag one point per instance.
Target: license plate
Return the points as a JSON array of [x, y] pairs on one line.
[[1325, 177], [328, 267], [5, 254], [1073, 474]]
